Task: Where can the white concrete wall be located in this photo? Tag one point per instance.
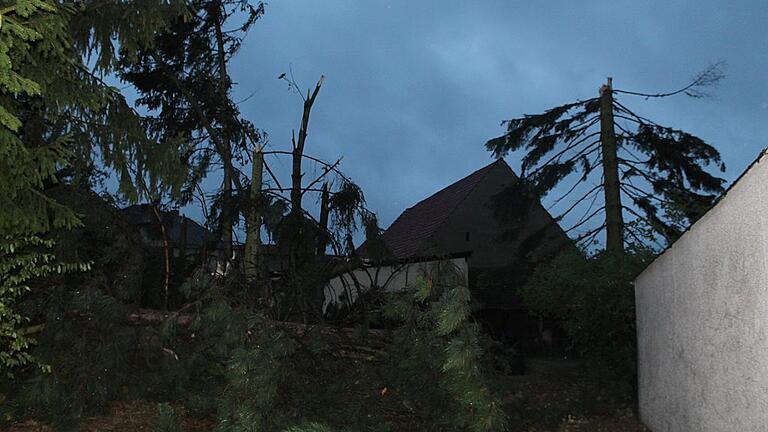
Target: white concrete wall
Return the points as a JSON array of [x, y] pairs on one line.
[[344, 289], [702, 319]]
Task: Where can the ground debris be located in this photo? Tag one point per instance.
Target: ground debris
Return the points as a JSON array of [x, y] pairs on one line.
[[122, 417]]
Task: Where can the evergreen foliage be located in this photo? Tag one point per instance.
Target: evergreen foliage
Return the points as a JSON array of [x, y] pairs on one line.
[[432, 365], [249, 373], [436, 319], [80, 317], [89, 353], [54, 121], [255, 377], [310, 427], [25, 212], [182, 79], [63, 124], [166, 419], [650, 174]]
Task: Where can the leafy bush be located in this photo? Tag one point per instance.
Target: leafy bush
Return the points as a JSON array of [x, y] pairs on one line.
[[79, 320], [593, 297], [21, 261]]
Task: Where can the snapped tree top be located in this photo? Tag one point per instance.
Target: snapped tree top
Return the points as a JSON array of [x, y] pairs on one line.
[[652, 176]]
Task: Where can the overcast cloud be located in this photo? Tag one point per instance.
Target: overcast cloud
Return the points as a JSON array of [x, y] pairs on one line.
[[414, 89]]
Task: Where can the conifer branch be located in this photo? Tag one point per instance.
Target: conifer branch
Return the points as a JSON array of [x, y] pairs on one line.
[[709, 77]]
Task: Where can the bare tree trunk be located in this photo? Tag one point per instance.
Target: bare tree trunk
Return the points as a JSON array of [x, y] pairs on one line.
[[166, 252], [322, 242], [297, 245], [252, 256], [226, 217], [614, 219], [296, 216], [298, 152], [226, 150]]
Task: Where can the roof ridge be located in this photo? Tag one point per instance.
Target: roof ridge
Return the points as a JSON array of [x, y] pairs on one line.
[[457, 181], [485, 170]]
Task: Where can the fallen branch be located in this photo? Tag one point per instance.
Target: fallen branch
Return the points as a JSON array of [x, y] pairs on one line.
[[151, 317], [346, 336], [144, 317]]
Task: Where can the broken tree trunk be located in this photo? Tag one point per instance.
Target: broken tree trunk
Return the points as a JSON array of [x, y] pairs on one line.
[[151, 317], [299, 248], [252, 258], [225, 149], [613, 212], [298, 151], [226, 217]]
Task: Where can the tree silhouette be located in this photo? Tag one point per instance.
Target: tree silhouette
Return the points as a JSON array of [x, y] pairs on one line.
[[184, 78], [652, 177]]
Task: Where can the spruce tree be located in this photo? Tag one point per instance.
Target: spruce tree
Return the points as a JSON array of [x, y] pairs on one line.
[[183, 79], [650, 175], [183, 82], [57, 118], [25, 212]]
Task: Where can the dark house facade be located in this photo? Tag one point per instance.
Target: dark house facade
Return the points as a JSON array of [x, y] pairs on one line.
[[462, 219], [184, 235], [190, 246], [200, 247]]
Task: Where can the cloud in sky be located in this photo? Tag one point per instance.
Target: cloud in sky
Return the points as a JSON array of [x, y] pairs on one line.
[[414, 89]]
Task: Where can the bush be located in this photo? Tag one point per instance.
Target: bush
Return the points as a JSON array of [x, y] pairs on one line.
[[593, 297], [90, 352], [233, 365]]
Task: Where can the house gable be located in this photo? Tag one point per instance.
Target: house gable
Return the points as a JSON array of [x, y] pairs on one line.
[[461, 218], [473, 226], [412, 232]]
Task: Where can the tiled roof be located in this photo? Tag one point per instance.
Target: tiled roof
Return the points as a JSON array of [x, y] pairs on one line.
[[409, 233]]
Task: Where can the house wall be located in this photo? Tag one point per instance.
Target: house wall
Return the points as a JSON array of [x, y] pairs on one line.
[[494, 285], [702, 319], [344, 289], [476, 217]]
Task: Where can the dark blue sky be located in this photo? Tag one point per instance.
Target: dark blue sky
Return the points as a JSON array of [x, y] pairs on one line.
[[414, 89]]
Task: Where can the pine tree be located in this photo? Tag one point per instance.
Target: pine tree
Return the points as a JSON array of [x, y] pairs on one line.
[[648, 173], [436, 321]]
